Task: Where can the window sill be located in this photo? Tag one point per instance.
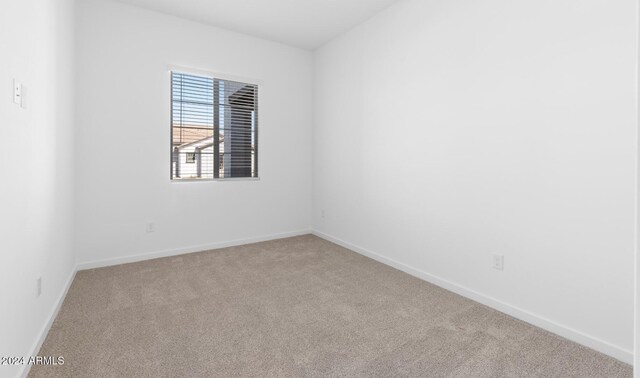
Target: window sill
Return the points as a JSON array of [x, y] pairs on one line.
[[218, 179]]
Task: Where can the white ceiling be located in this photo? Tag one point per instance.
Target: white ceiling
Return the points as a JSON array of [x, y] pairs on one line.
[[302, 23]]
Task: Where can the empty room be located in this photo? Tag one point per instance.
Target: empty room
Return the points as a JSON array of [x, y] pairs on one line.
[[318, 188]]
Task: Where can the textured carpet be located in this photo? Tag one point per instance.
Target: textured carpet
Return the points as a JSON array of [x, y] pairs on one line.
[[293, 307]]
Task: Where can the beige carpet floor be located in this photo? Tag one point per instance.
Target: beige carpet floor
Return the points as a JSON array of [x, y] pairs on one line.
[[296, 307]]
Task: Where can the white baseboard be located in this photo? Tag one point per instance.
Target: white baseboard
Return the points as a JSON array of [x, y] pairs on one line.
[[185, 250], [42, 335], [579, 337]]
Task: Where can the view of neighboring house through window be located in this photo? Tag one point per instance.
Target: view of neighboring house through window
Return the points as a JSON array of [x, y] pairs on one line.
[[213, 128]]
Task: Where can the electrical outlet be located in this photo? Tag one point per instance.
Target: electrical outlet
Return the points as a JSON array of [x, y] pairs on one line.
[[38, 286], [151, 227], [17, 92], [322, 214], [498, 261]]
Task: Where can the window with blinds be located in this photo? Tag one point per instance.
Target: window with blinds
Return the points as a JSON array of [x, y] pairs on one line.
[[214, 128]]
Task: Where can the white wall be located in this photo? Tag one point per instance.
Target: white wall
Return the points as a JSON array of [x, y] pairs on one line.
[[36, 194], [123, 118], [446, 131]]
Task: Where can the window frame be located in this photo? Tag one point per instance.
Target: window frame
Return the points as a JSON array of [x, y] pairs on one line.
[[220, 76]]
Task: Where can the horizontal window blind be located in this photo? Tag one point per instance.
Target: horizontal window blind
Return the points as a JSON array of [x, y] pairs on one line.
[[214, 125]]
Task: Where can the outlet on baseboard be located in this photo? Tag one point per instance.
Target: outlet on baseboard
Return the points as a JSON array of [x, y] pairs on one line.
[[498, 261], [38, 286]]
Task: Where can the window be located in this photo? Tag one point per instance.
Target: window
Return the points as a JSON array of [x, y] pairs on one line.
[[214, 126]]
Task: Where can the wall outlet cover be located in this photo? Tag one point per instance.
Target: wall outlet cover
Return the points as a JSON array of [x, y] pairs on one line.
[[498, 261]]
